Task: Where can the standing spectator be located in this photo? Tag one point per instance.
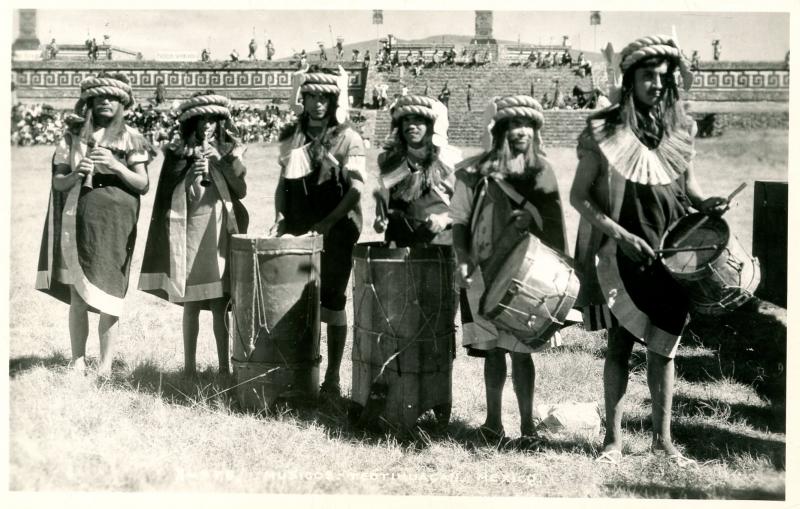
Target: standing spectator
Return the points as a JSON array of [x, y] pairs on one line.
[[93, 49], [303, 60], [376, 97], [435, 58], [426, 92], [395, 59], [161, 91], [717, 48], [270, 49], [695, 60], [444, 96], [786, 60], [367, 58], [409, 62], [205, 56], [384, 95], [532, 90], [558, 98], [404, 90], [355, 55], [252, 47], [339, 51], [322, 56], [469, 97], [52, 49], [234, 55]]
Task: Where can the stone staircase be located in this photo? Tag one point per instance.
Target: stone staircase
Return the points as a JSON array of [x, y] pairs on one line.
[[561, 127]]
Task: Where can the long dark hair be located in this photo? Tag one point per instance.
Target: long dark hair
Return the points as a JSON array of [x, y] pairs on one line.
[[397, 145], [115, 130], [187, 128], [669, 110], [497, 159]]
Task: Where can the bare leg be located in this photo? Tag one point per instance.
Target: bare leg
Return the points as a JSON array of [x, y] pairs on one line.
[[78, 329], [218, 310], [107, 330], [661, 381], [337, 334], [523, 376], [494, 376], [191, 327], [615, 383]]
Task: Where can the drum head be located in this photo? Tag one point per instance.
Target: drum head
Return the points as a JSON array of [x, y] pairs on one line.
[[713, 232], [506, 273]]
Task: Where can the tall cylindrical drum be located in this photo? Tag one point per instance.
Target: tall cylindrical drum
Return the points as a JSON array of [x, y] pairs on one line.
[[403, 332], [274, 330]]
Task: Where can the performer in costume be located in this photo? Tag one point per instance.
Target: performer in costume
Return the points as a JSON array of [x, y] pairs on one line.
[[322, 175], [634, 179], [196, 210], [501, 195], [417, 175], [99, 173]]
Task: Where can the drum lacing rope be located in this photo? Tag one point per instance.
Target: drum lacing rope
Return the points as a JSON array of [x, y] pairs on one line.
[[541, 299], [409, 276]]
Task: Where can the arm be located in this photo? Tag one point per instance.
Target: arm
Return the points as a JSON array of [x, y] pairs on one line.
[[64, 178], [348, 202], [711, 205], [354, 167], [134, 177], [580, 197], [234, 171]]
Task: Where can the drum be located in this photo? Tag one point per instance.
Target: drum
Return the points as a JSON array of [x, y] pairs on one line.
[[714, 268], [404, 308], [533, 292], [275, 323]]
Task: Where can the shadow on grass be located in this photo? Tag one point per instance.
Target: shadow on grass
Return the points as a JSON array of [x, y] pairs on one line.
[[706, 442], [654, 490], [763, 418], [19, 365], [749, 346]]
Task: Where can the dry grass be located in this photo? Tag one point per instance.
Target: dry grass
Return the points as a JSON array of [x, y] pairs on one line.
[[149, 429]]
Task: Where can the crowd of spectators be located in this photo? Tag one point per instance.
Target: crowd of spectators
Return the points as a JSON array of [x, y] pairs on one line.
[[43, 125], [416, 61]]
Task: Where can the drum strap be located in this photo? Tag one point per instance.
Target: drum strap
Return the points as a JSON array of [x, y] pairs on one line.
[[519, 200]]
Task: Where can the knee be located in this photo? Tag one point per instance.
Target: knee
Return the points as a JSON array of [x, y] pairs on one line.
[[521, 360], [620, 344]]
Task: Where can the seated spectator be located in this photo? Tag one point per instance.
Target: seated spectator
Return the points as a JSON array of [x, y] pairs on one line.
[[355, 55], [234, 55], [409, 60], [695, 63]]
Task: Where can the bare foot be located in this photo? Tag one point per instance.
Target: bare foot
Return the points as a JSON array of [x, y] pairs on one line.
[[665, 446], [78, 365]]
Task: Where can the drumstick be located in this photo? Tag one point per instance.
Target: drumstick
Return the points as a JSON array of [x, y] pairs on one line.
[[382, 207], [703, 220], [682, 249]]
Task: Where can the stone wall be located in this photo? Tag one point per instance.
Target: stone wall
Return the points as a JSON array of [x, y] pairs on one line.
[[56, 82]]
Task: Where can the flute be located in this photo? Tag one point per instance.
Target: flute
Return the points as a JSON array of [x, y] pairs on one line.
[[87, 180]]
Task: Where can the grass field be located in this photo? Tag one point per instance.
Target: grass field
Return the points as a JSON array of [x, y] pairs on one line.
[[146, 428]]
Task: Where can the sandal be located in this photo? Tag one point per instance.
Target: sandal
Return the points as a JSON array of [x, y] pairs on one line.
[[610, 457]]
